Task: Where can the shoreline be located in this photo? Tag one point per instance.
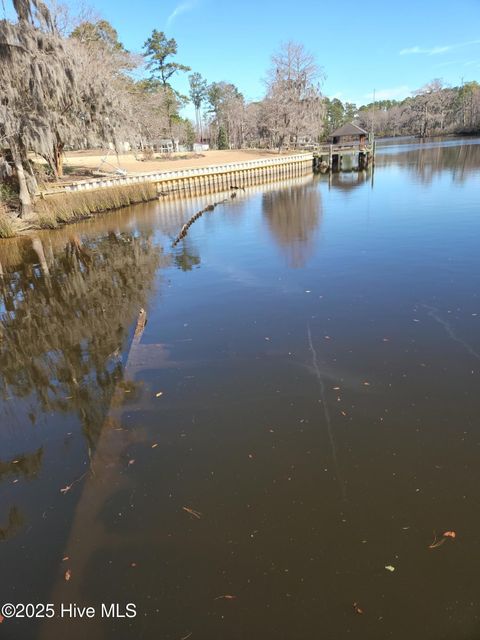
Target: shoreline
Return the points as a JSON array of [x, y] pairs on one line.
[[79, 200]]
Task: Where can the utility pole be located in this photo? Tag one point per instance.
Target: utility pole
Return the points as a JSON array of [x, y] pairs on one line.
[[373, 118]]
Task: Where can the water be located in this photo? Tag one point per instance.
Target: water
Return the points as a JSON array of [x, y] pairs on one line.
[[300, 411]]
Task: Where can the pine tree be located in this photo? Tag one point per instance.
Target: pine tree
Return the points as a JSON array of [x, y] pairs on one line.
[[222, 140]]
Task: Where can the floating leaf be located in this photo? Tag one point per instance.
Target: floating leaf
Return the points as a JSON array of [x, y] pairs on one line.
[[449, 534], [192, 512]]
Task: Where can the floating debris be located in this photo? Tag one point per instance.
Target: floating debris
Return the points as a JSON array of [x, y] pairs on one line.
[[67, 488], [357, 608], [437, 542], [193, 512], [199, 214]]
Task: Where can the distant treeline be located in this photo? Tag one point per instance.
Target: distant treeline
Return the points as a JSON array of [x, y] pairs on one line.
[[434, 109]]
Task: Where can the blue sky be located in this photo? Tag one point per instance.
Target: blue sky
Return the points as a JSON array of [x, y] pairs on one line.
[[394, 48]]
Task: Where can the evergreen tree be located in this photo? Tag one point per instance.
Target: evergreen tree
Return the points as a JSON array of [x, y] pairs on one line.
[[222, 140]]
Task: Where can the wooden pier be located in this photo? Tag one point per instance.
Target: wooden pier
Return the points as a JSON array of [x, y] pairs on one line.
[[349, 149], [343, 157]]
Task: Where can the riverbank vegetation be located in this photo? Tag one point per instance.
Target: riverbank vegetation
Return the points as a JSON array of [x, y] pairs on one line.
[[77, 205], [68, 82]]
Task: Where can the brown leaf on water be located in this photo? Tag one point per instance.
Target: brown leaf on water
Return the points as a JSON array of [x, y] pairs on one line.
[[68, 575], [193, 512], [357, 608], [438, 542]]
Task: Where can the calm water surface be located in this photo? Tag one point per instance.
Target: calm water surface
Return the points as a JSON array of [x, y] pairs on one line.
[[300, 411]]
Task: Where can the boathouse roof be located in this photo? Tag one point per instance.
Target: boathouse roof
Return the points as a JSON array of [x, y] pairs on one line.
[[348, 129]]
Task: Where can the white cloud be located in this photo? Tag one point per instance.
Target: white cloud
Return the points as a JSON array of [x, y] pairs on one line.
[[429, 52], [433, 51], [391, 93], [179, 9]]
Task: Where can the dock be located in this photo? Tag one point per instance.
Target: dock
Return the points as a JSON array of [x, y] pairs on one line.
[[350, 148], [343, 157]]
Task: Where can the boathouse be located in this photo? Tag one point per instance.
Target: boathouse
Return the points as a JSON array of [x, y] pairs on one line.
[[349, 133]]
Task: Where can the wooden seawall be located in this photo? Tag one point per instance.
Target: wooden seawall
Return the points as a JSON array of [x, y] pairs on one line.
[[199, 181]]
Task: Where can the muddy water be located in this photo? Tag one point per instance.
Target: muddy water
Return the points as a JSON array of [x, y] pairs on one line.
[[299, 412]]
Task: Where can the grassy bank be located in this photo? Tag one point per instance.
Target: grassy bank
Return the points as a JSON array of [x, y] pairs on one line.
[[55, 210], [63, 208], [9, 226]]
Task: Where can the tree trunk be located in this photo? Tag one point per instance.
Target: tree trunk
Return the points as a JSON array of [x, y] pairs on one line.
[[38, 248], [24, 194], [58, 158]]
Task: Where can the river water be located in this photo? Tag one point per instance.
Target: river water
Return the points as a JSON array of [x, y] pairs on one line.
[[273, 453]]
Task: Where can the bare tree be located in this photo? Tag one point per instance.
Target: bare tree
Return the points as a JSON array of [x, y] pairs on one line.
[[37, 86], [294, 101], [55, 92]]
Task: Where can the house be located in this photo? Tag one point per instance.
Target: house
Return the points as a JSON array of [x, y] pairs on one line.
[[349, 134]]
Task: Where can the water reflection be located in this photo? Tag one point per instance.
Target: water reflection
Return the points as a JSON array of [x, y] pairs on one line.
[[347, 181], [426, 161], [15, 521], [66, 316], [252, 395], [293, 215]]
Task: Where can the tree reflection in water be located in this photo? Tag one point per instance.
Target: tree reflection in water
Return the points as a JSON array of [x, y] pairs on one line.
[[428, 160], [293, 215], [66, 316]]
